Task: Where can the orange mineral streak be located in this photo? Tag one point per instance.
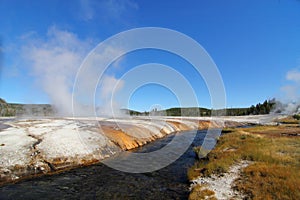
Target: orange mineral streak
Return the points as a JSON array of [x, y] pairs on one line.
[[136, 136], [179, 126], [204, 125], [123, 140]]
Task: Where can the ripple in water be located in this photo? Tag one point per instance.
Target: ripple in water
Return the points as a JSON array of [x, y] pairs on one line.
[[101, 182]]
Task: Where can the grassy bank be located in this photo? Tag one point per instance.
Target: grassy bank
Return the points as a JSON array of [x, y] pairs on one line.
[[275, 170]]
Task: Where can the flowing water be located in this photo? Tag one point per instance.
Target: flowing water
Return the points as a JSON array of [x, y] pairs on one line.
[[101, 182]]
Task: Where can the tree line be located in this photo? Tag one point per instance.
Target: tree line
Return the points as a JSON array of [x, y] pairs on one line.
[[259, 109]]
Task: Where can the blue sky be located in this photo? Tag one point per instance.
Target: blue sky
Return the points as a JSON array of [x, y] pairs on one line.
[[255, 45]]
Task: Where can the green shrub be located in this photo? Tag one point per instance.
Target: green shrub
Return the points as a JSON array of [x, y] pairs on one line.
[[296, 116]]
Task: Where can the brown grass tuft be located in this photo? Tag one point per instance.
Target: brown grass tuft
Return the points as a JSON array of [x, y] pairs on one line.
[[199, 193]]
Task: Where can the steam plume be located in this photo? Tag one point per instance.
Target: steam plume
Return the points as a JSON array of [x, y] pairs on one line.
[[291, 96], [55, 61]]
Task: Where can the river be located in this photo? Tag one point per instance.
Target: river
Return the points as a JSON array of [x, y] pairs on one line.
[[101, 182]]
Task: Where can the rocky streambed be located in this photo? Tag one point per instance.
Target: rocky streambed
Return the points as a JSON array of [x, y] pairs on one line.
[[98, 181], [34, 147]]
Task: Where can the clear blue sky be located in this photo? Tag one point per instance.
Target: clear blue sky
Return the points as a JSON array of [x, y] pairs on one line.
[[254, 43]]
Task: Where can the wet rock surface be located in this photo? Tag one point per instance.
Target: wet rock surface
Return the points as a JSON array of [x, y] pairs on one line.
[[101, 182], [33, 147]]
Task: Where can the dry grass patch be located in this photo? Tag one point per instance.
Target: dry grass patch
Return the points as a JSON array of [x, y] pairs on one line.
[[289, 120], [270, 181], [199, 193], [275, 174]]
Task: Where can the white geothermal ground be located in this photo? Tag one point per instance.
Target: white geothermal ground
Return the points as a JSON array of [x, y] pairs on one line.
[[38, 146]]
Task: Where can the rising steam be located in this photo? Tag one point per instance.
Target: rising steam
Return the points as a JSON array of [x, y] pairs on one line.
[[55, 62], [291, 97]]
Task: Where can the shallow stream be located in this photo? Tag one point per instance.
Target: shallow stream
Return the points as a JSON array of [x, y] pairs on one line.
[[101, 182]]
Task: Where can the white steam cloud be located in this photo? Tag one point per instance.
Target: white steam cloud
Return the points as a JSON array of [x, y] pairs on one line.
[[291, 95], [293, 75], [105, 10], [55, 61], [108, 88]]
